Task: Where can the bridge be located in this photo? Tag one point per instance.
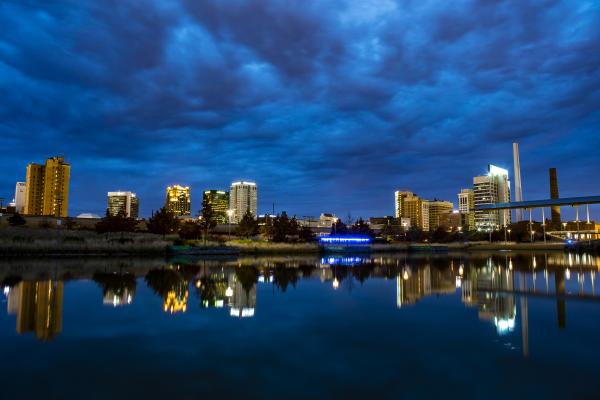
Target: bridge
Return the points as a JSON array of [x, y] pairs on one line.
[[531, 205]]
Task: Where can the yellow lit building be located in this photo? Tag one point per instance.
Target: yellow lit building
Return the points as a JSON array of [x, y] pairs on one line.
[[47, 188], [178, 200], [409, 205], [437, 208]]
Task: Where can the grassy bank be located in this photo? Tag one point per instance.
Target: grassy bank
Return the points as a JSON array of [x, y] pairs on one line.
[[15, 241], [34, 241], [256, 247]]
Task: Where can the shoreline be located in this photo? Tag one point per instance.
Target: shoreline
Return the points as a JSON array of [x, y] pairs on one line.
[[165, 249]]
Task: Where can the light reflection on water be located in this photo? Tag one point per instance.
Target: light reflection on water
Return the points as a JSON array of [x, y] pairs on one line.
[[496, 288]]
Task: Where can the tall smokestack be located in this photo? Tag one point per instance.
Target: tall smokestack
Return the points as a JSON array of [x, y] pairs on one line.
[[518, 192], [554, 195]]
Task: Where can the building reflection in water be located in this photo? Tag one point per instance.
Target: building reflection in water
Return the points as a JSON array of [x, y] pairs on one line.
[[118, 289], [172, 285], [489, 285], [413, 285], [490, 288], [242, 301], [177, 298], [38, 306], [234, 289]]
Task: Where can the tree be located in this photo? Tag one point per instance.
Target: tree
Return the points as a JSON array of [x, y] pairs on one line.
[[415, 234], [267, 231], [190, 230], [281, 227], [294, 227], [248, 225], [339, 228], [440, 235], [388, 231], [208, 220], [116, 223], [163, 222], [16, 220], [306, 234], [362, 228]]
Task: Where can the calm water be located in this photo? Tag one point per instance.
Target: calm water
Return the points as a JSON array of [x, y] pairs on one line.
[[478, 326]]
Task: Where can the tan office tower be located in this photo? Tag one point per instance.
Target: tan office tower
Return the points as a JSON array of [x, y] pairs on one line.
[[178, 200], [409, 205], [47, 188], [437, 208], [242, 197], [466, 203]]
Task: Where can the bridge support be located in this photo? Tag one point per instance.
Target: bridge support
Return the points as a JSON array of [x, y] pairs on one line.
[[577, 219], [530, 225], [587, 213], [544, 224]]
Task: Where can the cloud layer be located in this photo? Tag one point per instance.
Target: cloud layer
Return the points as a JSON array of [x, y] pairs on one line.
[[329, 105]]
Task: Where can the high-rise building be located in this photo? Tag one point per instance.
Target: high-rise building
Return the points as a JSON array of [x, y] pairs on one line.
[[490, 189], [178, 200], [242, 198], [123, 203], [219, 203], [47, 188], [20, 196], [466, 203], [436, 209], [409, 205]]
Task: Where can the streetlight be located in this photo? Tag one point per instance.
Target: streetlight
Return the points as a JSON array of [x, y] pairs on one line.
[[509, 234], [229, 215]]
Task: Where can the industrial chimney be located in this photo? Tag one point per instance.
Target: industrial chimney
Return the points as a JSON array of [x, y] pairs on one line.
[[517, 171], [554, 195]]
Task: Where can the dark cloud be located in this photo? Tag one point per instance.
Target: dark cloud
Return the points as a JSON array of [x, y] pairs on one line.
[[328, 105]]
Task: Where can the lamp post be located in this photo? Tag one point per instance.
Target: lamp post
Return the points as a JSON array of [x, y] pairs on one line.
[[508, 230], [504, 234], [229, 214]]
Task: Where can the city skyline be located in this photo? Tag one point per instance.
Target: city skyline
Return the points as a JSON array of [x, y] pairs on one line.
[[188, 208], [353, 109]]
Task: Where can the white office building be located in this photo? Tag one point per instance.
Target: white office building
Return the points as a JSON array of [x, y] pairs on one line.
[[242, 197], [124, 203], [490, 189]]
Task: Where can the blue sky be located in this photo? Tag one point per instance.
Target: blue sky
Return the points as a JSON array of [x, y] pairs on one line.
[[329, 106]]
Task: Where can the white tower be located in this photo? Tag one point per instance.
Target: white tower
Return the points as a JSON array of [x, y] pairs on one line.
[[518, 192], [242, 198]]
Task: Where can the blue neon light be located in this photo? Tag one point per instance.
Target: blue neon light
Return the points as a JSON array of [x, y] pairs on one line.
[[346, 261], [344, 240]]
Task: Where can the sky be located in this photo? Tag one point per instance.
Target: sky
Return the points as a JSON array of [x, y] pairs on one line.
[[329, 105]]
